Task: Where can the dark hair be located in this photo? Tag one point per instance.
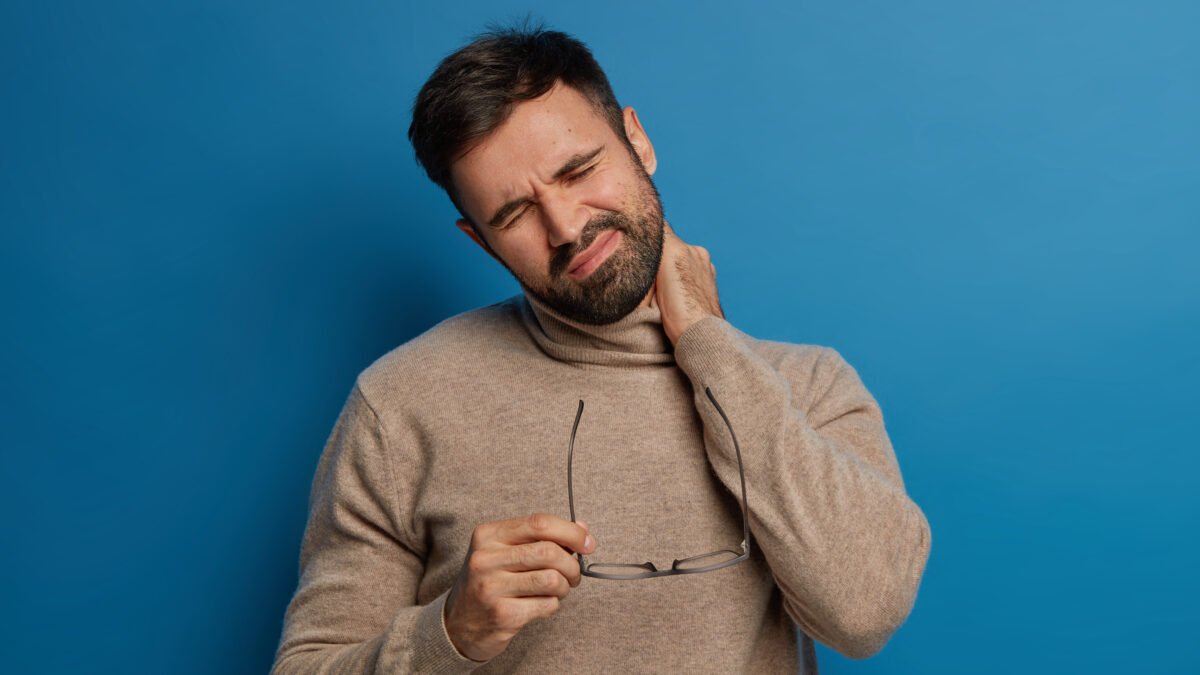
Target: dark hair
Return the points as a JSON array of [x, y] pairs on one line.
[[473, 90]]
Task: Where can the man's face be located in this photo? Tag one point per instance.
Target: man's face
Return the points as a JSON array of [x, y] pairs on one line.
[[563, 204]]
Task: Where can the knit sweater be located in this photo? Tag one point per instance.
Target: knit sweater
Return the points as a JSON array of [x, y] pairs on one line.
[[470, 422]]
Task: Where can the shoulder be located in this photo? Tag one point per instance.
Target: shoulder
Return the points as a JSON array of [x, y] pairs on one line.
[[819, 374], [813, 365], [815, 357], [458, 346]]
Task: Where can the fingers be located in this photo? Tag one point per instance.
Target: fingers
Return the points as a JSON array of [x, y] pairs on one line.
[[539, 527], [542, 555], [501, 586], [531, 609], [516, 571], [671, 240], [535, 584], [685, 285]]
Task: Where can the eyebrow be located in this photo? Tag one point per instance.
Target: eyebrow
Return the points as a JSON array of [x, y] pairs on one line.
[[571, 165]]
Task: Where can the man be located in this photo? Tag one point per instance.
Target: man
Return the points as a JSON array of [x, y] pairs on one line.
[[442, 535]]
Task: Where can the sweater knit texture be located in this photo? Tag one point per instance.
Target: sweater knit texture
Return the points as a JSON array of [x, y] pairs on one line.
[[470, 422]]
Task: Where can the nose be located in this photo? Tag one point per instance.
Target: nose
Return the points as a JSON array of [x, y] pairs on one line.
[[564, 220]]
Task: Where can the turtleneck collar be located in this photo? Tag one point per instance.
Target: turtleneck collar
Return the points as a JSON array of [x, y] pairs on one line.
[[635, 340]]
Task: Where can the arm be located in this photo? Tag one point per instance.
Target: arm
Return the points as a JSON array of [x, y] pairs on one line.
[[845, 544], [355, 609]]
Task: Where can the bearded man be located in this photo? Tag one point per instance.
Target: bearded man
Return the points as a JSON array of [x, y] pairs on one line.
[[467, 515]]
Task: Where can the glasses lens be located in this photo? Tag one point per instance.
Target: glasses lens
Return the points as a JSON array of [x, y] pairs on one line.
[[707, 560]]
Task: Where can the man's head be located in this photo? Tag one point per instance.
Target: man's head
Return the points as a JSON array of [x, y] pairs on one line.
[[522, 130]]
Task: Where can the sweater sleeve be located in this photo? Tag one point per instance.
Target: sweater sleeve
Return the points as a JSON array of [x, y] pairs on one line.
[[845, 544], [355, 608]]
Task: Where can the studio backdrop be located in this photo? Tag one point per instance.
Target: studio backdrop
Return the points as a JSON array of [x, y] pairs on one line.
[[212, 221]]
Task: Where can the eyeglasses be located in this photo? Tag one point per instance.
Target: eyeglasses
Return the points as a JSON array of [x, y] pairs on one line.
[[706, 562]]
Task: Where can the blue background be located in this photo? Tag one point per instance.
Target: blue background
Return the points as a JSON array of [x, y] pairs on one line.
[[212, 221]]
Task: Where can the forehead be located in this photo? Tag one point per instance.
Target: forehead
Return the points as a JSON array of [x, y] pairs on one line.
[[537, 138]]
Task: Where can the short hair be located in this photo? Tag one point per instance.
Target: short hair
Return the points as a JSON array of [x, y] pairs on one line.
[[473, 91]]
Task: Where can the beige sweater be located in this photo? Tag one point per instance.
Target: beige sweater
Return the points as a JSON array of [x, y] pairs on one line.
[[469, 423]]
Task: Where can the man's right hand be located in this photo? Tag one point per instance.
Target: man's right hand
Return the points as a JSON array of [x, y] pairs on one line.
[[516, 571]]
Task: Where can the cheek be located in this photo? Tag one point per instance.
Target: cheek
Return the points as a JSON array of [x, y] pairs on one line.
[[608, 194], [526, 251]]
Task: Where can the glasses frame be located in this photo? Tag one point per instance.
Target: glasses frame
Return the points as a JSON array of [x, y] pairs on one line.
[[648, 569]]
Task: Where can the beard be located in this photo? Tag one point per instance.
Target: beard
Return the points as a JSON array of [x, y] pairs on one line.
[[618, 286]]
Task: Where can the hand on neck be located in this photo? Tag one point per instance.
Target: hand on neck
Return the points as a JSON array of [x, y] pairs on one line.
[[650, 299]]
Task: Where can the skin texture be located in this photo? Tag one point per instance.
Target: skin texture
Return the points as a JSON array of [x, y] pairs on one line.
[[519, 570]]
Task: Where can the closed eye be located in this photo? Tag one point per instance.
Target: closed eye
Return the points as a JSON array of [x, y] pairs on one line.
[[581, 174], [516, 216]]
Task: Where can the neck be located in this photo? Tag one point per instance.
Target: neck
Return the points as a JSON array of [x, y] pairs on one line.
[[635, 340]]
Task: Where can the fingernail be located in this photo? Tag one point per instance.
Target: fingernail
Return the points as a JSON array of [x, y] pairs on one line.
[[589, 544]]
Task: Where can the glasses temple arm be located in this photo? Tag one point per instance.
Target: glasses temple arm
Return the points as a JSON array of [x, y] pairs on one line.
[[570, 457], [741, 471]]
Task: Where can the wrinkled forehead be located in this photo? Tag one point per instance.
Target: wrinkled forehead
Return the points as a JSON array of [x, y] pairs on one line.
[[524, 152]]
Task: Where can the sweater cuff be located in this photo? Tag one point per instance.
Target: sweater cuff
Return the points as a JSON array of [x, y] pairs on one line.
[[431, 648], [708, 349]]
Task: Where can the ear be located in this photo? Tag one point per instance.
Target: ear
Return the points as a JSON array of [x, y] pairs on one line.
[[641, 142], [470, 232]]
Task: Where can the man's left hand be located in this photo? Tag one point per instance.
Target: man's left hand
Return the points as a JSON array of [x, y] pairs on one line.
[[686, 286]]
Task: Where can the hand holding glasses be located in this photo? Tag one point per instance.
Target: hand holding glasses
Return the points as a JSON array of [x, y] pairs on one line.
[[706, 562]]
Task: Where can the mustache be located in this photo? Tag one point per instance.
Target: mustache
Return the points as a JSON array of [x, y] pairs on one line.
[[595, 227]]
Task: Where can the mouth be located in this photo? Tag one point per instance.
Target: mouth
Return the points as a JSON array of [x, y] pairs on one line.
[[585, 263]]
